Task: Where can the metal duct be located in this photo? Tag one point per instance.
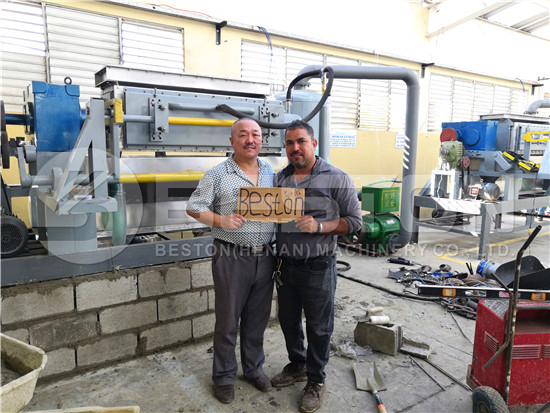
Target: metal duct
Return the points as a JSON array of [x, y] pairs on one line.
[[411, 133], [533, 107]]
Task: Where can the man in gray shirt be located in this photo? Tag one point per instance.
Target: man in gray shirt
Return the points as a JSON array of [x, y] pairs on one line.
[[306, 276]]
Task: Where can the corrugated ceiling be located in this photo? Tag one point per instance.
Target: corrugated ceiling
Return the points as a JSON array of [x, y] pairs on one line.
[[530, 16]]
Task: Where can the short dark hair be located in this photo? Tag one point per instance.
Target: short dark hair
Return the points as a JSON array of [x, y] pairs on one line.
[[243, 118], [300, 124]]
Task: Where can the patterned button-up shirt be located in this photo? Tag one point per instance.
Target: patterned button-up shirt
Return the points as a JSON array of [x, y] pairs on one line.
[[218, 191]]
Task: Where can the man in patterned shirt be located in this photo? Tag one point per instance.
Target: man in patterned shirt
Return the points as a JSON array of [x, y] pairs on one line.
[[242, 261]]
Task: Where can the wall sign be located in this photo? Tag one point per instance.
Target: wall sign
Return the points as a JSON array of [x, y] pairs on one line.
[[343, 139]]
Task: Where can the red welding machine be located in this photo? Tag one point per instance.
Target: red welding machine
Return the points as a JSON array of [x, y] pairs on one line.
[[530, 367]]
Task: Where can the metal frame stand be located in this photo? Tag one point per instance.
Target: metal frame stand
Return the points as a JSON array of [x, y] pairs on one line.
[[489, 212]]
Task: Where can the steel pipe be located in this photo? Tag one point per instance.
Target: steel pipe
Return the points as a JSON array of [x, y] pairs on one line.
[[536, 105], [201, 121], [160, 177], [208, 108], [411, 133]]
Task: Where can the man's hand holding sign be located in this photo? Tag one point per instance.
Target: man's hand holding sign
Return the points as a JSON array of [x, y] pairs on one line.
[[271, 204]]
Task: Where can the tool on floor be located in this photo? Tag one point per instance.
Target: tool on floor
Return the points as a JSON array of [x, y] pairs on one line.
[[401, 261], [427, 374], [422, 351], [371, 382]]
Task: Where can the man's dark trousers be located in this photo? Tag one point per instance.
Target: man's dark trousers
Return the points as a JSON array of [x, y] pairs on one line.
[[310, 285], [243, 286]]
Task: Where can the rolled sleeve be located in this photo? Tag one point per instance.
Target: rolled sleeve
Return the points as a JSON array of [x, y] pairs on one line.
[[350, 208], [202, 198]]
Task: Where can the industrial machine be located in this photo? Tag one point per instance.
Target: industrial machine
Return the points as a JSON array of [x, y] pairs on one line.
[[107, 184], [487, 168], [379, 224], [117, 174]]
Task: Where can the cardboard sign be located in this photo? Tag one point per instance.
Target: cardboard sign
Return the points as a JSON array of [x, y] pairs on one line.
[[271, 204]]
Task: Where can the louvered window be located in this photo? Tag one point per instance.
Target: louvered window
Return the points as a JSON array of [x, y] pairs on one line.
[[374, 104], [279, 66], [398, 106], [344, 98], [23, 51], [456, 100], [263, 63], [483, 99], [439, 101], [79, 45], [503, 100], [462, 100], [519, 101], [296, 60], [152, 48]]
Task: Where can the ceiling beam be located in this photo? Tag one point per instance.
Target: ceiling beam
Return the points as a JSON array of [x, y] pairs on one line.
[[452, 13], [536, 25], [530, 21]]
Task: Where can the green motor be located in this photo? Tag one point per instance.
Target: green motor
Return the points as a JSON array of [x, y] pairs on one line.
[[379, 225], [377, 231]]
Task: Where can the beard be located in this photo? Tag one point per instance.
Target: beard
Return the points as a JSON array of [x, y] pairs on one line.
[[299, 164]]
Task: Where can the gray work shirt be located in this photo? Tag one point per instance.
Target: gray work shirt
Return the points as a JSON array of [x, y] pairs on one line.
[[329, 194], [218, 191]]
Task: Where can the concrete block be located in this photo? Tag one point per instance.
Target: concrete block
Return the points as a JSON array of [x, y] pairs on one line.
[[21, 334], [166, 335], [182, 305], [59, 361], [151, 283], [201, 274], [211, 299], [63, 331], [384, 338], [31, 302], [129, 316], [107, 349], [204, 325], [178, 279], [113, 289]]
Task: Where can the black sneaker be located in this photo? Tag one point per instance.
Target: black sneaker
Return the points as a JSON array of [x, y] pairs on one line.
[[312, 397], [292, 373]]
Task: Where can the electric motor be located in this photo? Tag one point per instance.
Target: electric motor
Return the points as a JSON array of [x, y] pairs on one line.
[[14, 236]]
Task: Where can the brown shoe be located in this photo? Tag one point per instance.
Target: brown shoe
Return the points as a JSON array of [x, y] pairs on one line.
[[312, 397], [292, 373], [225, 394], [262, 383]]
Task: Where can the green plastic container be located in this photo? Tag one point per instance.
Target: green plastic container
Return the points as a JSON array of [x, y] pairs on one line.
[[380, 200]]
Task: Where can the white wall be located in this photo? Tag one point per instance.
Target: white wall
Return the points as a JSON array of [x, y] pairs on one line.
[[391, 27], [490, 49]]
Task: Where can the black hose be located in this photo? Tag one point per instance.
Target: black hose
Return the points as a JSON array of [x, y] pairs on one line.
[[311, 73], [379, 287], [345, 265], [233, 112], [543, 409]]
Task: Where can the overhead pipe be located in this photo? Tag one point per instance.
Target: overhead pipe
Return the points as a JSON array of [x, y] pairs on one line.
[[411, 133], [533, 107], [308, 117]]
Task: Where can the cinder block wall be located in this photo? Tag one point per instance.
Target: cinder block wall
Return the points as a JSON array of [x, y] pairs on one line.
[[91, 321]]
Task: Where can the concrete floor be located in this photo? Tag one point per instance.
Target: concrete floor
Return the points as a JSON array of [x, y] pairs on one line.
[[179, 380]]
